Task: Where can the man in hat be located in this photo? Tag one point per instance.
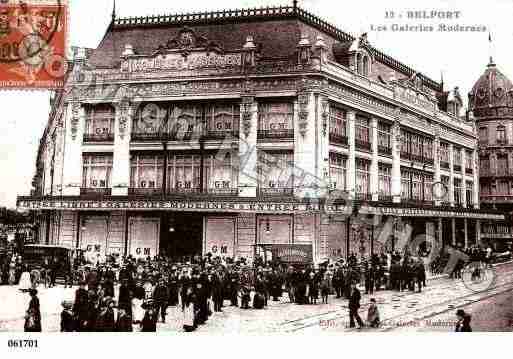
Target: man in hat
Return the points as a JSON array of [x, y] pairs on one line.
[[161, 298], [354, 305], [105, 321], [68, 322]]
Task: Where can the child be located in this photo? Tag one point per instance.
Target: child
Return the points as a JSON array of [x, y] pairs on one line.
[[373, 314], [68, 323], [325, 288]]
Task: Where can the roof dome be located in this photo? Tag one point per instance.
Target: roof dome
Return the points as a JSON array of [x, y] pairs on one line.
[[493, 89]]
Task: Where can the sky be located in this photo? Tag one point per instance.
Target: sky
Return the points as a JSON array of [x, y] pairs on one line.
[[461, 56]]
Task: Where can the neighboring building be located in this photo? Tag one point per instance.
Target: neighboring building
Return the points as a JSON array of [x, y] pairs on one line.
[[491, 101], [224, 131]]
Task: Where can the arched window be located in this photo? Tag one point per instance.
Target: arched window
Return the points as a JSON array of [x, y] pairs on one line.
[[365, 69], [501, 134]]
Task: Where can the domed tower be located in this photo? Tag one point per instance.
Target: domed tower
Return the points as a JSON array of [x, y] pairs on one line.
[[491, 103]]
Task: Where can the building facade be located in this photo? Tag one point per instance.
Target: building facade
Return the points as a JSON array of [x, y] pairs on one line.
[[491, 102], [235, 131]]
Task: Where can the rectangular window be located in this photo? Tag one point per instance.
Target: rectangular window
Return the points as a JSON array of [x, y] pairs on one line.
[[445, 182], [502, 165], [222, 120], [501, 134], [96, 171], [469, 188], [362, 178], [444, 155], [275, 119], [338, 125], [468, 162], [417, 187], [184, 121], [99, 123], [483, 135], [427, 150], [457, 191], [220, 173], [428, 187], [502, 188], [384, 181], [384, 138], [184, 173], [457, 158], [276, 172], [416, 147], [405, 184], [146, 172], [338, 173], [362, 133], [405, 144], [484, 166]]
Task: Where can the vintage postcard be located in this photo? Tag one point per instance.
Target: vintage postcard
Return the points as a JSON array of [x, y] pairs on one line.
[[241, 167]]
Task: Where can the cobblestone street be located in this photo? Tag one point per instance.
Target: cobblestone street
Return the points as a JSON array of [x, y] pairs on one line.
[[433, 309]]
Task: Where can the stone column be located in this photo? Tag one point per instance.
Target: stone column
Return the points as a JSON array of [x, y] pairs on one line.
[[463, 178], [121, 154], [478, 231], [436, 177], [476, 178], [465, 231], [351, 160], [451, 176], [396, 162], [453, 231], [248, 173], [440, 231], [306, 145], [72, 171], [374, 168]]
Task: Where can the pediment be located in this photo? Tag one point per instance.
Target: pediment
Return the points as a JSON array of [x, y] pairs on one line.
[[188, 40]]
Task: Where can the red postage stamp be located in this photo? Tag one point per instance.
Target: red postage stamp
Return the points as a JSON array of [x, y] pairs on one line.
[[33, 44]]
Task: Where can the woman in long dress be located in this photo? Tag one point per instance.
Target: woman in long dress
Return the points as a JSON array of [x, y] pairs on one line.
[[25, 282], [33, 315], [189, 324]]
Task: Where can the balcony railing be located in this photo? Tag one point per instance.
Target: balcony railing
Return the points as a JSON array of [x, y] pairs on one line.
[[496, 197], [429, 161], [275, 134], [95, 137], [383, 197], [95, 192], [152, 136], [219, 135], [143, 192], [362, 144], [149, 192], [338, 138], [457, 168], [363, 196], [276, 191], [384, 150]]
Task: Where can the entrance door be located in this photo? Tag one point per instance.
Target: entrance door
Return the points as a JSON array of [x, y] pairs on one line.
[[94, 237], [143, 240], [183, 235], [220, 236]]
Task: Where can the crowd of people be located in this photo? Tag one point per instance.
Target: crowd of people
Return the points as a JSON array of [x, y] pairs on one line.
[[134, 294], [137, 294]]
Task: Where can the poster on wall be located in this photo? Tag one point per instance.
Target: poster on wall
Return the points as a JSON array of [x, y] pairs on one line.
[[144, 237], [220, 234]]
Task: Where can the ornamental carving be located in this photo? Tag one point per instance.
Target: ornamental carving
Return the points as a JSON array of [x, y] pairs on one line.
[[247, 114], [325, 115], [75, 119], [303, 100], [186, 40], [123, 113]]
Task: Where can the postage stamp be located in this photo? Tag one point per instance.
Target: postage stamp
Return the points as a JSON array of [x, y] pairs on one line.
[[32, 43]]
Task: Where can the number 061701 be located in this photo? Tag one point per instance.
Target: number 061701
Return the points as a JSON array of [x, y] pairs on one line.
[[22, 343]]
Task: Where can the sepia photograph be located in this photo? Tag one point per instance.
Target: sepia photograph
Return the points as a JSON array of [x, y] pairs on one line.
[[303, 167]]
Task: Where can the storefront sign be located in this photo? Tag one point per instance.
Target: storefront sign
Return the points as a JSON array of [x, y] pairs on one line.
[[292, 253], [177, 62], [208, 206]]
